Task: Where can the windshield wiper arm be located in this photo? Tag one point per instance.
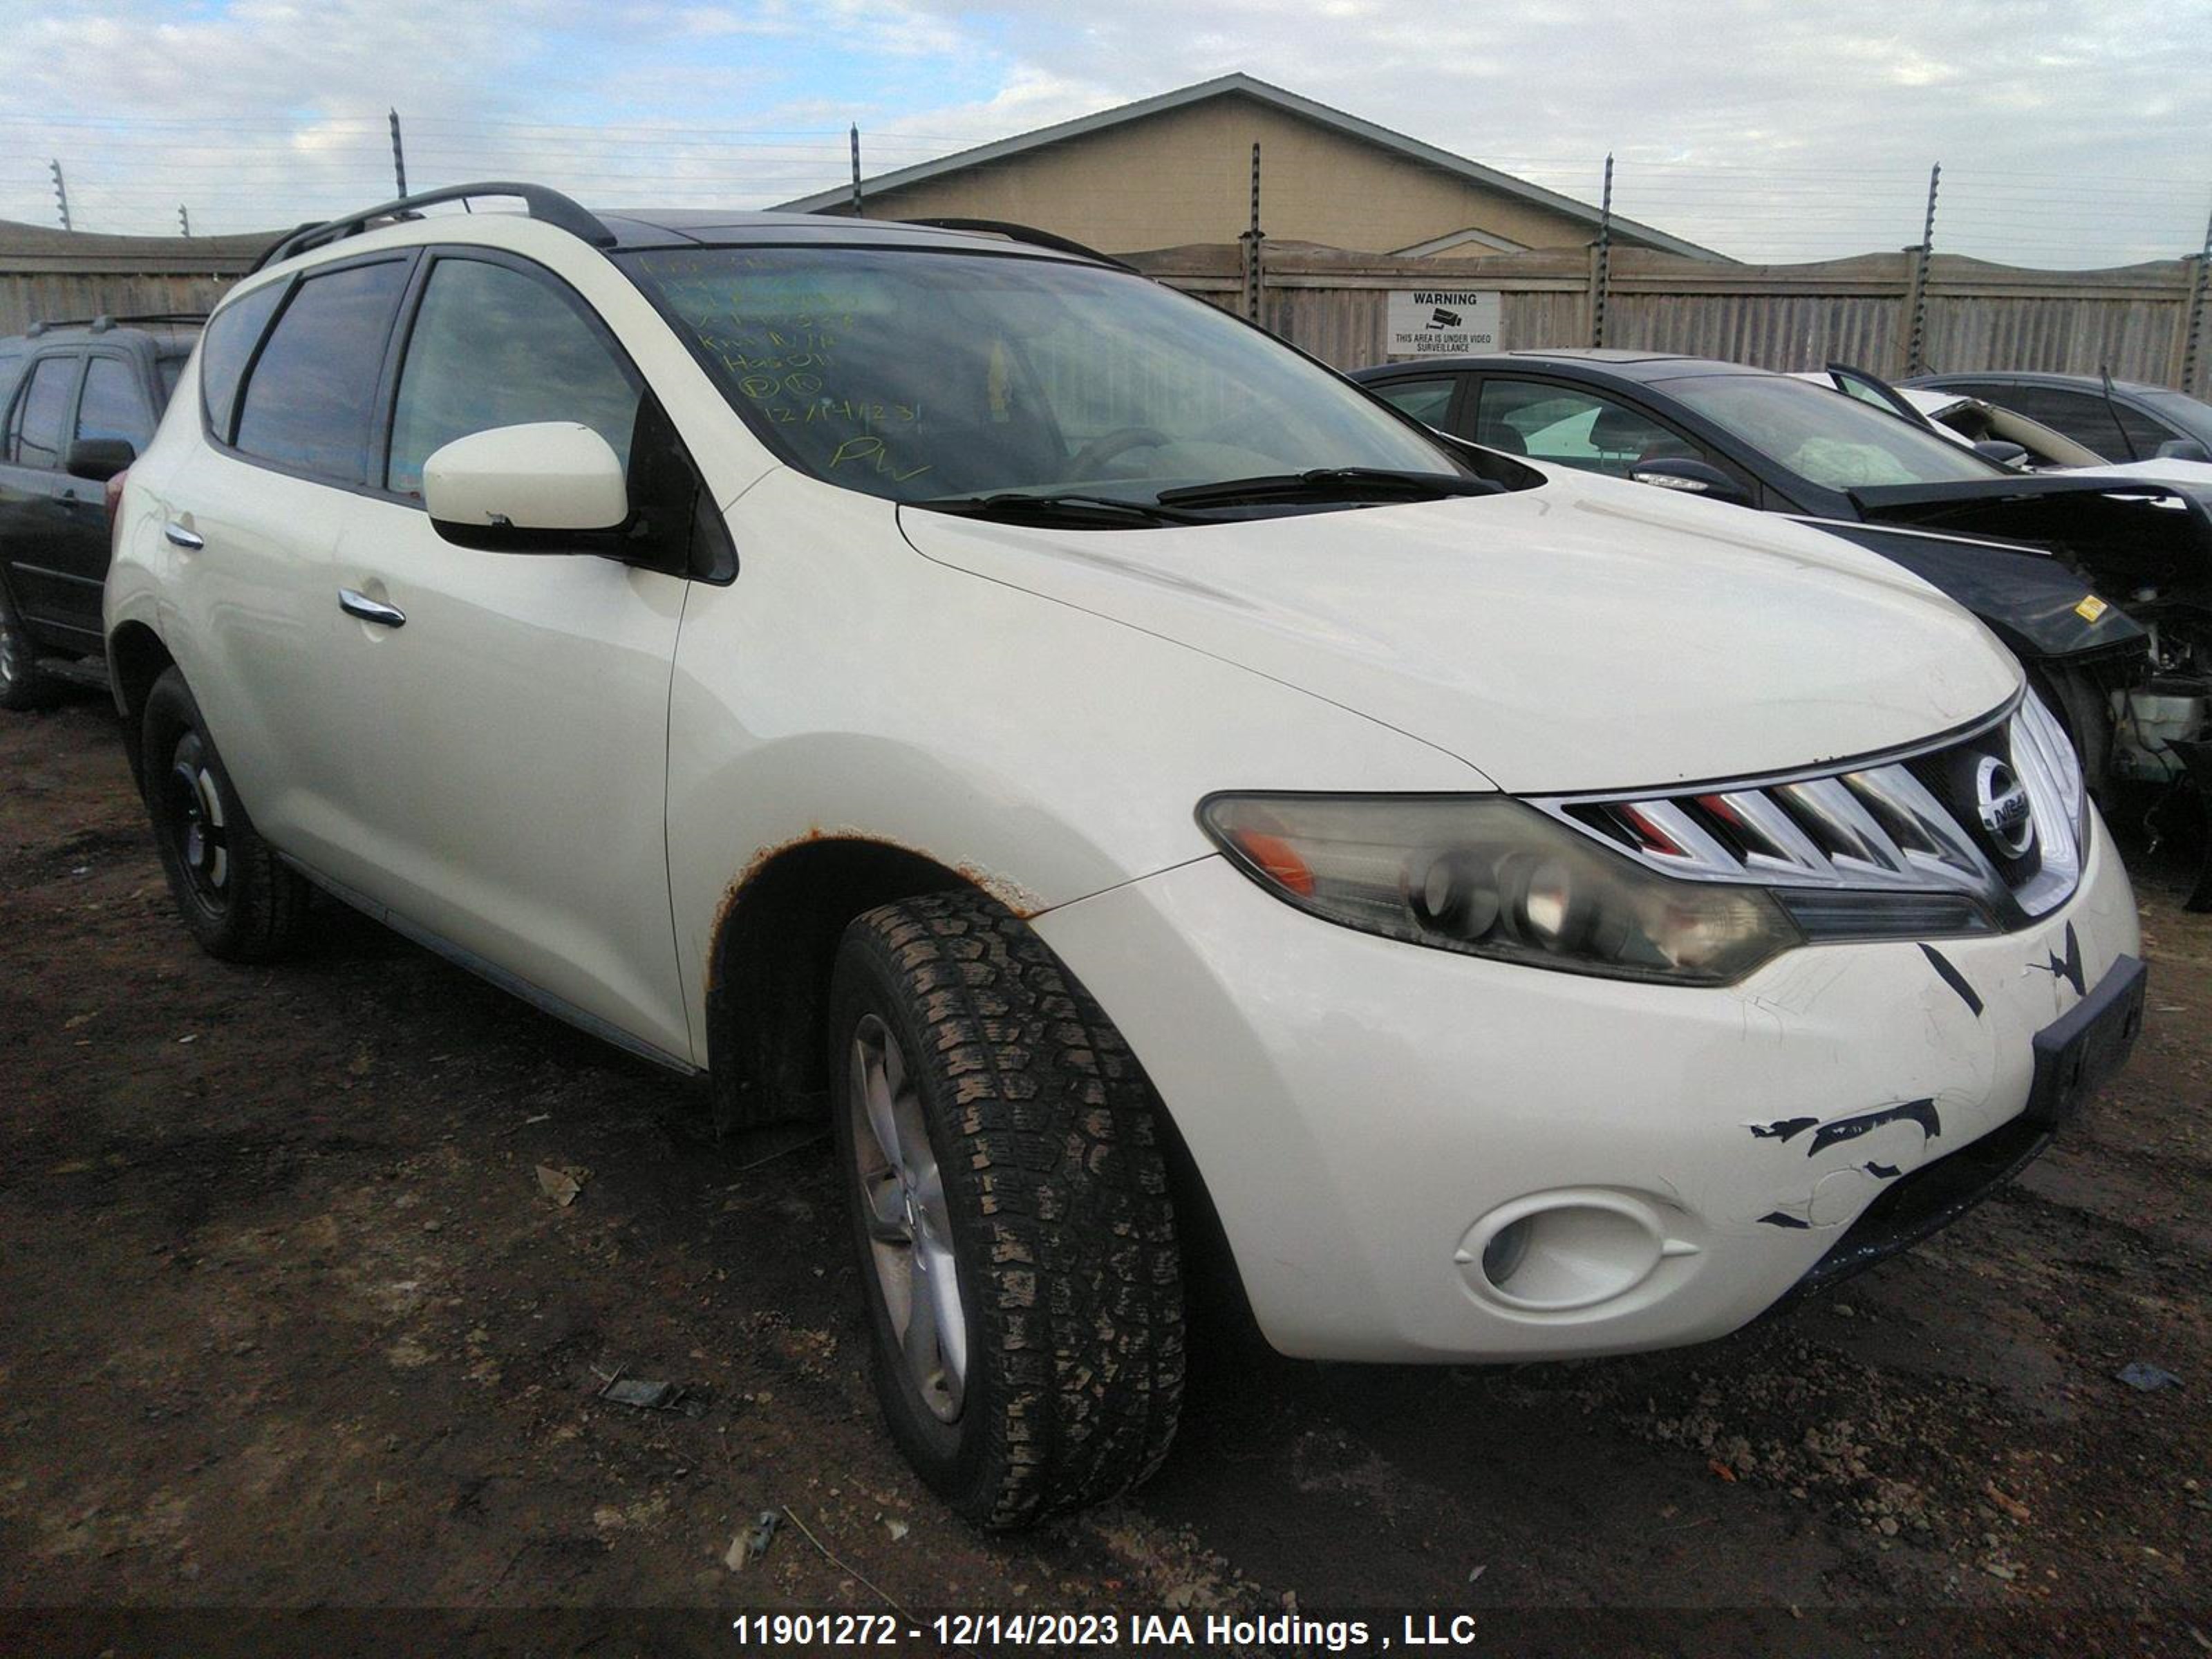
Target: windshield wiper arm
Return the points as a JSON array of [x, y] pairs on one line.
[[1065, 509], [1330, 483]]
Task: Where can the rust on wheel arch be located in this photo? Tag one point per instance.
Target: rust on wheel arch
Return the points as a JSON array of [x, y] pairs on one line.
[[766, 976]]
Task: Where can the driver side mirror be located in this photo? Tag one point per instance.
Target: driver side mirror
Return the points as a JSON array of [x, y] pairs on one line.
[[98, 460], [2003, 452], [549, 487], [1692, 478], [2184, 449]]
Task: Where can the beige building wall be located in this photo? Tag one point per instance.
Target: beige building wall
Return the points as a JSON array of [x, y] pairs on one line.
[[1185, 175]]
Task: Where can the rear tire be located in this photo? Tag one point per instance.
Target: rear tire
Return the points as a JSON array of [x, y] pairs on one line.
[[237, 898], [991, 1121], [23, 687]]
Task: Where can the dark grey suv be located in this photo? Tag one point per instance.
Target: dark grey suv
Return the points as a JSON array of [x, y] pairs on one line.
[[81, 401], [2122, 420]]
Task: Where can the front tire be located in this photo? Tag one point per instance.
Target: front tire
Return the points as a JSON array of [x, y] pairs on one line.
[[1009, 1205], [238, 899]]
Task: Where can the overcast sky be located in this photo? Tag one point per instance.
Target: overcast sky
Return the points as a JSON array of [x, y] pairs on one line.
[[2070, 134]]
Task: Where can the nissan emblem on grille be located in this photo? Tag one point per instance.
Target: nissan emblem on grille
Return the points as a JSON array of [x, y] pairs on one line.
[[2002, 800], [1939, 819]]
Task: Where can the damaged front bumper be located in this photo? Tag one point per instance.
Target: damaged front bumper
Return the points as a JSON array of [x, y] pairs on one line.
[[1419, 1156], [2075, 1056]]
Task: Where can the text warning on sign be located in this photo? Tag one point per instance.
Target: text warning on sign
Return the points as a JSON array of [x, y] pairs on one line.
[[1443, 322]]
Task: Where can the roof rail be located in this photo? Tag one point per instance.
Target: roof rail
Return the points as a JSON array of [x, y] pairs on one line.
[[102, 323], [550, 205], [1029, 233]]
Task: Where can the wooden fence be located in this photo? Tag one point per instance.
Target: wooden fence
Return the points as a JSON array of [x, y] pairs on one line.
[[2134, 320], [49, 275], [2137, 320]]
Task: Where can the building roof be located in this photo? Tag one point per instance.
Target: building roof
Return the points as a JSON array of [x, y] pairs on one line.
[[1279, 98], [43, 248]]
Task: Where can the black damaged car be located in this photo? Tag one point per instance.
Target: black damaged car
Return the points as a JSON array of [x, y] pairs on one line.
[[2040, 559]]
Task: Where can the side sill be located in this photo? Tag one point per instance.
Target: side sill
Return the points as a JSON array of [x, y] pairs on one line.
[[538, 998]]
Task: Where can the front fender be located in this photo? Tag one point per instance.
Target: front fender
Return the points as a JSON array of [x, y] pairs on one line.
[[846, 688], [2039, 608]]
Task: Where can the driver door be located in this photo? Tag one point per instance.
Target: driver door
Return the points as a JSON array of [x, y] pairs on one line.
[[505, 715]]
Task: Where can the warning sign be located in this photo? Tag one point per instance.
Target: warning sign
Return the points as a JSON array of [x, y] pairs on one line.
[[1443, 322]]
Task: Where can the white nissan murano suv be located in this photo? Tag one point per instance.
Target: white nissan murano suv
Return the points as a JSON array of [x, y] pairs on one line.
[[1134, 782]]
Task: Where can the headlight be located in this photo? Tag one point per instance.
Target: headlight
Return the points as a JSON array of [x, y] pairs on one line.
[[1493, 878]]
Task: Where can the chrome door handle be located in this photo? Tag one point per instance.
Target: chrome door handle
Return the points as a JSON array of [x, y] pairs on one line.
[[360, 605], [179, 537]]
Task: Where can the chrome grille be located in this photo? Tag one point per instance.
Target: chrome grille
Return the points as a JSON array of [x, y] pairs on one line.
[[1883, 826]]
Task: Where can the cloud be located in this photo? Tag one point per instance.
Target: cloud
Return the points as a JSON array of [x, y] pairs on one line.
[[2071, 130]]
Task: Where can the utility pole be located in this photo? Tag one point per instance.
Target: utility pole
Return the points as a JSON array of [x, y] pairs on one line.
[[1915, 332], [1602, 258], [61, 193], [2193, 335], [398, 153], [1255, 240], [185, 219], [856, 170]]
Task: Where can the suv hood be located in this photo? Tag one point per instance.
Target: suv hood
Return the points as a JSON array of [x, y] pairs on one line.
[[1584, 635]]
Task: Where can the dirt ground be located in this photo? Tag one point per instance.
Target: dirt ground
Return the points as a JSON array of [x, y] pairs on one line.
[[287, 1321]]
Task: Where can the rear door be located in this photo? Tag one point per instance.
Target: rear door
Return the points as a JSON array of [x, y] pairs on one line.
[[35, 498], [1431, 399], [506, 742], [250, 518]]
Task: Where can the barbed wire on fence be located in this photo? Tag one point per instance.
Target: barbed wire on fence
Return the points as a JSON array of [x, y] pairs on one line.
[[251, 174]]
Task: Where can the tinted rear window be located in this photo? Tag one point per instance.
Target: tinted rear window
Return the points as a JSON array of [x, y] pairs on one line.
[[229, 341], [1426, 401], [307, 404]]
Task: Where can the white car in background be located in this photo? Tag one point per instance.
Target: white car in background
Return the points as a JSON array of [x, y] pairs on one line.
[[1125, 778]]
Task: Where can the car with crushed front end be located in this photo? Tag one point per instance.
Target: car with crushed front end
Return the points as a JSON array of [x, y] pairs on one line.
[[1137, 786], [2098, 584]]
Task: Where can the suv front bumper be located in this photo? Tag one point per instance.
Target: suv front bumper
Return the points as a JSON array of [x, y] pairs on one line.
[[1372, 1119]]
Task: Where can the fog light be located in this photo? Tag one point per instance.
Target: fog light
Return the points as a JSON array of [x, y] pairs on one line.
[[1508, 1248], [1559, 1252]]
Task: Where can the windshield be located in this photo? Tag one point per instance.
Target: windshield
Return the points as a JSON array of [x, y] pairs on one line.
[[925, 375], [1832, 442]]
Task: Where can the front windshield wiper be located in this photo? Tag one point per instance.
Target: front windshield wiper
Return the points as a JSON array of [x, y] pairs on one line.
[[1073, 509], [1330, 483]]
